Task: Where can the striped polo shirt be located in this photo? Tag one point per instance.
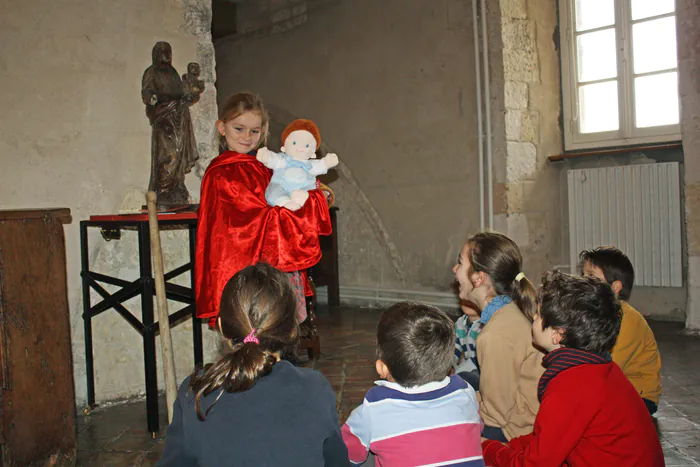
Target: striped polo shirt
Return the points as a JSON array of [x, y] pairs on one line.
[[433, 424]]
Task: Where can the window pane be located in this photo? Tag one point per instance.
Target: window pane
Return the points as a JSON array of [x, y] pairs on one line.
[[654, 44], [656, 100], [646, 8], [598, 107], [596, 55], [591, 14]]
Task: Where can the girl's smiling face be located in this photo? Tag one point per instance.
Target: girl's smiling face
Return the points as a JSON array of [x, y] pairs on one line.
[[242, 133]]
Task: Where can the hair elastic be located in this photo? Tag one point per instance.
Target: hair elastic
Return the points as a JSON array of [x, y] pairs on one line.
[[520, 276], [251, 338]]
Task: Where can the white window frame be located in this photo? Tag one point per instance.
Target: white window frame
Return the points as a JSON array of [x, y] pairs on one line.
[[627, 134]]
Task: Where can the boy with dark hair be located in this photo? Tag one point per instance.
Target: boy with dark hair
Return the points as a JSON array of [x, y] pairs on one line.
[[635, 351], [589, 412], [416, 415]]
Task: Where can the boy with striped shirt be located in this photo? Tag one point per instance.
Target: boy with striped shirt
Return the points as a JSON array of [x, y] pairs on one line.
[[416, 415]]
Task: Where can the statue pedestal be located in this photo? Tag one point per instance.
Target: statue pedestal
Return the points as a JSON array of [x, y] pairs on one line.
[[144, 287]]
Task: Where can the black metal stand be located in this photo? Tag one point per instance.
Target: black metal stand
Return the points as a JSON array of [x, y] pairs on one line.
[[145, 287]]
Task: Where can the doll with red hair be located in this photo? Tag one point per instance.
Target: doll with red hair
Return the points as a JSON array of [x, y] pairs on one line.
[[293, 171]]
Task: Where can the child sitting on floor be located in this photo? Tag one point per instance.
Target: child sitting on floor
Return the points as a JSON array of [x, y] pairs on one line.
[[489, 273], [417, 415], [590, 414], [251, 408], [635, 350], [467, 327]]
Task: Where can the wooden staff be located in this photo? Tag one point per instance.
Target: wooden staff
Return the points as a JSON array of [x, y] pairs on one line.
[[166, 343]]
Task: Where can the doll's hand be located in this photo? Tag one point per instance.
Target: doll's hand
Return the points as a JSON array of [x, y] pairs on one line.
[[331, 160], [263, 155]]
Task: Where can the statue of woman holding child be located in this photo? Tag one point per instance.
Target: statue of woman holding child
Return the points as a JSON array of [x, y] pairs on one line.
[[173, 145]]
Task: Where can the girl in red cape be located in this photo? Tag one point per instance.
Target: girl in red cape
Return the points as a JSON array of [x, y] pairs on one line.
[[236, 227]]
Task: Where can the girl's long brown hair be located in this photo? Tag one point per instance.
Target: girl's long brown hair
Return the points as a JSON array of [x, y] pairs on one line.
[[259, 297], [500, 258]]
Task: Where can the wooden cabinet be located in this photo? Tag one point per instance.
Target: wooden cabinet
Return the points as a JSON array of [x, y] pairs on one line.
[[37, 402]]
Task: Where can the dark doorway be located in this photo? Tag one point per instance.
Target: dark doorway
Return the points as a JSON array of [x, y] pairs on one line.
[[224, 18]]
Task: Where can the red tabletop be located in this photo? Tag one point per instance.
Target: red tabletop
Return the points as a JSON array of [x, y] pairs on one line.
[[162, 216]]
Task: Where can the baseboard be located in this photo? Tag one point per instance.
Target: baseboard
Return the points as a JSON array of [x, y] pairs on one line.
[[382, 298]]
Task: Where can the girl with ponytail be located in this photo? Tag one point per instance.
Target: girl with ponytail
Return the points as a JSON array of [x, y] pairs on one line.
[[252, 407], [489, 273]]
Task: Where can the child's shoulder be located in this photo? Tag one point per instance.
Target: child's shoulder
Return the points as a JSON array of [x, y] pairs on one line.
[[632, 319], [384, 390], [629, 310], [311, 380], [506, 320]]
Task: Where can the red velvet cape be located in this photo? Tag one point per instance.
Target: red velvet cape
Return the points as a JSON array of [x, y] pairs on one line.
[[237, 228]]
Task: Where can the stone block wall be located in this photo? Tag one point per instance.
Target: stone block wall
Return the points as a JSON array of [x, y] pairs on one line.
[[526, 108], [688, 33]]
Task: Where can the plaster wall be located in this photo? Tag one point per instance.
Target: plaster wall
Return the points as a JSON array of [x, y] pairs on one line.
[[391, 87], [75, 134]]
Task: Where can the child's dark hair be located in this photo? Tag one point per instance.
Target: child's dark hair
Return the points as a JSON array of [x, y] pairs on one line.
[[259, 298], [500, 258], [616, 266], [584, 308], [416, 343]]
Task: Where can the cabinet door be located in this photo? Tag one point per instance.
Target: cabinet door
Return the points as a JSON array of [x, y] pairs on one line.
[[38, 405]]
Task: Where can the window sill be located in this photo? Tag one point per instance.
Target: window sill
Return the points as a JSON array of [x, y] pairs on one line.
[[613, 151]]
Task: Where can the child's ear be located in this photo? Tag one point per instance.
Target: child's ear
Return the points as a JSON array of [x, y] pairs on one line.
[[616, 286], [478, 279], [220, 127], [382, 369], [557, 336]]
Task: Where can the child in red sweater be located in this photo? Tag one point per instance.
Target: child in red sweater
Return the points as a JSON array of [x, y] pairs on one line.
[[590, 414]]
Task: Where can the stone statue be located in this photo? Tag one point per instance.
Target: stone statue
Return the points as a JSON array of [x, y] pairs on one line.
[[173, 145]]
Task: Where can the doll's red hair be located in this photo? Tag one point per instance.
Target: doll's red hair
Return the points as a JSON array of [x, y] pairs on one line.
[[303, 125]]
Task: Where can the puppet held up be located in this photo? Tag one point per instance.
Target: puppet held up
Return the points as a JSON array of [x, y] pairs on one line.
[[293, 173]]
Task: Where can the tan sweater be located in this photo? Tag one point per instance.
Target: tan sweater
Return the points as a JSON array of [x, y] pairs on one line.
[[510, 370]]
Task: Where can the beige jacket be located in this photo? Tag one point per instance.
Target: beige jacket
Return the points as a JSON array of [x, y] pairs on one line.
[[510, 370]]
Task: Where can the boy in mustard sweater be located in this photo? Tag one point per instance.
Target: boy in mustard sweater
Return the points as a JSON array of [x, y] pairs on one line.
[[635, 350]]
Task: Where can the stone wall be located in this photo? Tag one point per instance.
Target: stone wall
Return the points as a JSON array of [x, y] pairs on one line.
[[688, 32], [74, 134], [391, 87], [526, 108]]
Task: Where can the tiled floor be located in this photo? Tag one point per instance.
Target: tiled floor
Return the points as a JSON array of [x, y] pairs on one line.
[[117, 436]]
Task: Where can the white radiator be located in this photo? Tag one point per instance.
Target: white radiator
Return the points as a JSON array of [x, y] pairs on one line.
[[636, 208]]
